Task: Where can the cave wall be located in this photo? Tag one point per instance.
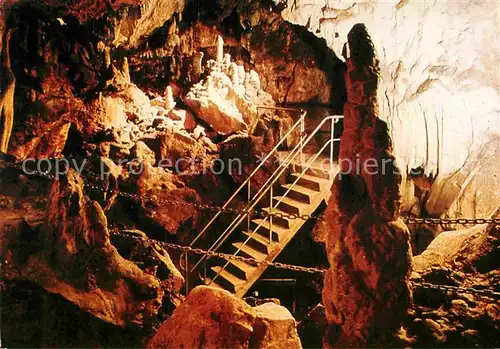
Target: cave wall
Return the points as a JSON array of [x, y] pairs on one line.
[[440, 80], [294, 65]]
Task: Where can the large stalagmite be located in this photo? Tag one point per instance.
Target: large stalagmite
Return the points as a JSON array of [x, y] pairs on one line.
[[368, 243]]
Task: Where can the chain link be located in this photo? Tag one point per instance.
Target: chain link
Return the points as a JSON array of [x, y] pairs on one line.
[[411, 220], [458, 289], [252, 261], [224, 256]]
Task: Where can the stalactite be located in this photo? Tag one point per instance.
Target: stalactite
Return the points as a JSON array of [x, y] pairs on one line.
[[7, 86]]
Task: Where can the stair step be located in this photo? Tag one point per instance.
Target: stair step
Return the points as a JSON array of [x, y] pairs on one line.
[[277, 230], [290, 205], [226, 279], [318, 169], [241, 269], [311, 182], [258, 242], [211, 283], [282, 221], [250, 252], [299, 193]]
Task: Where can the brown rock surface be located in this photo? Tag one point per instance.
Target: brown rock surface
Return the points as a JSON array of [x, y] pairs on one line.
[[368, 245], [465, 258], [208, 318], [74, 258], [50, 145], [155, 185], [214, 318]]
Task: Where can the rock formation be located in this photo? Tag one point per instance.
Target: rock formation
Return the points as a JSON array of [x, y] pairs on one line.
[[368, 244], [213, 318], [467, 258], [228, 97], [73, 257]]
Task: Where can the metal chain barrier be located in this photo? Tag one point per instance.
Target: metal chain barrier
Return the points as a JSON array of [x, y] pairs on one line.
[[311, 270], [224, 256], [457, 289], [279, 214]]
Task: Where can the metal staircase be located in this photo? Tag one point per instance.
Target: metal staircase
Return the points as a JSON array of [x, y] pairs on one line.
[[307, 176]]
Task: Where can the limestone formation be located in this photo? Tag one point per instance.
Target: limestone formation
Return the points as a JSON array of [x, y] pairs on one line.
[[224, 100], [76, 260], [197, 68], [50, 145], [213, 318], [368, 244], [220, 50], [169, 99], [274, 328]]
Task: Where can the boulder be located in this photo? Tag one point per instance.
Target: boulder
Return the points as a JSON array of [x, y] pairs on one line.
[[222, 116], [208, 318], [466, 247], [274, 327], [163, 195], [185, 116], [154, 260], [179, 149], [213, 318], [228, 98], [143, 153]]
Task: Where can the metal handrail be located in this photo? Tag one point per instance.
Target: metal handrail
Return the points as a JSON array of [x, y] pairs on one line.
[[222, 237], [299, 122], [286, 163]]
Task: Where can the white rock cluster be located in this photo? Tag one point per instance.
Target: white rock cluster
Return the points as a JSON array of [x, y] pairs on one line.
[[228, 97]]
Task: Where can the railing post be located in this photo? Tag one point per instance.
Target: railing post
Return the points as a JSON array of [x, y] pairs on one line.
[[302, 131], [249, 197], [186, 274], [332, 137], [205, 272], [271, 216]]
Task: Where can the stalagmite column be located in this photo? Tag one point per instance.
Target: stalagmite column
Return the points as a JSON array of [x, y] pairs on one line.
[[366, 291], [169, 98], [220, 50], [197, 66]]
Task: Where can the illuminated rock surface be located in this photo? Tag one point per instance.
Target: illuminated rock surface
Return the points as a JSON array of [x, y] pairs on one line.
[[214, 318], [367, 244]]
